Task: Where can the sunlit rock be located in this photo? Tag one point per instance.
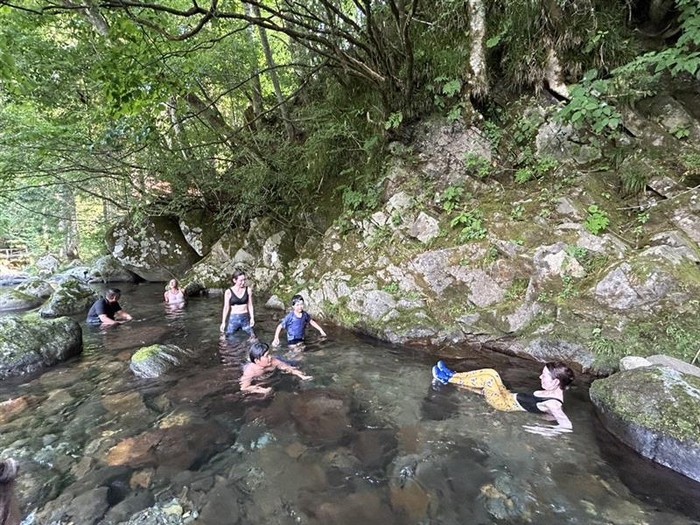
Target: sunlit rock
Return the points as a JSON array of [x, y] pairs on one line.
[[176, 446], [656, 411], [30, 343], [155, 360]]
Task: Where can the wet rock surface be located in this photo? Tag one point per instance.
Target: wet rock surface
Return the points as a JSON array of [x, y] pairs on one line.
[[656, 411], [30, 343]]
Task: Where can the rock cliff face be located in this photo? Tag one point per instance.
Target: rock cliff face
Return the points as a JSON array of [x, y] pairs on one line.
[[552, 262], [560, 268]]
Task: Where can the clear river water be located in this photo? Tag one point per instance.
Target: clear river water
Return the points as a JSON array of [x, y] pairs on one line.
[[370, 440]]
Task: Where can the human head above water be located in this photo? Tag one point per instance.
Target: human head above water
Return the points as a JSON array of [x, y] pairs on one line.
[[297, 299], [173, 283], [236, 275], [113, 294], [257, 350], [561, 372]]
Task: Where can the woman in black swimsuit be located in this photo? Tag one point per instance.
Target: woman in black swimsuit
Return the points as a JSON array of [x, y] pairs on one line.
[[555, 377], [238, 302]]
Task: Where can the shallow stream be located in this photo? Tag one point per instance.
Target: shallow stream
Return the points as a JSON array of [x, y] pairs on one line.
[[368, 440]]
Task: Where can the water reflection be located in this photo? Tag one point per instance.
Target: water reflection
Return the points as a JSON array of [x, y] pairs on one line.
[[369, 440]]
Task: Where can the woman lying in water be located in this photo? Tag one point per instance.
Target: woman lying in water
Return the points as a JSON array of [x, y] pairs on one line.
[[555, 378]]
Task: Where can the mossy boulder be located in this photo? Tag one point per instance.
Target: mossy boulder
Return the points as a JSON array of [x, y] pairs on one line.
[[155, 360], [154, 248], [29, 294], [71, 297], [30, 343], [656, 411]]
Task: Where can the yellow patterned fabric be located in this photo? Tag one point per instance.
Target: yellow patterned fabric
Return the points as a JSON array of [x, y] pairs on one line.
[[487, 382]]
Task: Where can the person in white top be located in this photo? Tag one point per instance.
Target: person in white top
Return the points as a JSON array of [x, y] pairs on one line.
[[173, 294]]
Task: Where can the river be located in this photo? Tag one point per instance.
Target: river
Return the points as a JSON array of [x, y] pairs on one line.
[[369, 440]]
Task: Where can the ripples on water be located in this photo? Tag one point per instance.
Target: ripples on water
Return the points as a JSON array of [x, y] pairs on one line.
[[369, 440]]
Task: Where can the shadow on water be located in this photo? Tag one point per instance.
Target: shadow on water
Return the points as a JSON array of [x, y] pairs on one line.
[[368, 441]]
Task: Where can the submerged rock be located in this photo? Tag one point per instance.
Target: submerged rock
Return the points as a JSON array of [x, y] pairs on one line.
[[155, 360], [30, 343], [656, 411]]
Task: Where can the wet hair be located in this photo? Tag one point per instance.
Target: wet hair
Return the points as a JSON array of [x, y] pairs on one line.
[[257, 350], [561, 372], [113, 293], [236, 275], [297, 299]]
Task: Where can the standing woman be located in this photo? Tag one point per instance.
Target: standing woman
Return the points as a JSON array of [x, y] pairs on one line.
[[238, 302], [173, 294]]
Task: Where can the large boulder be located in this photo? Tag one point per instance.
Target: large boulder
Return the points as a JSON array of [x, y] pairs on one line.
[[30, 343], [154, 248], [263, 252], [108, 269], [47, 265], [656, 411], [29, 294], [71, 297]]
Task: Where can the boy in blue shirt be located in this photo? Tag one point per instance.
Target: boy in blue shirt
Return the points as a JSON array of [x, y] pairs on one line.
[[295, 324]]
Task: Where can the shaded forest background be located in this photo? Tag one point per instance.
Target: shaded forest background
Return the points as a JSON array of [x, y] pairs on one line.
[[258, 108]]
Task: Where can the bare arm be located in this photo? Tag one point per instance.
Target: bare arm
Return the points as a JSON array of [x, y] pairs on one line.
[[276, 340], [289, 369], [106, 320], [227, 307], [317, 327], [122, 315], [165, 296], [251, 311]]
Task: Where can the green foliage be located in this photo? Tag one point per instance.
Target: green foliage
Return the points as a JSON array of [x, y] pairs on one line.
[[634, 181], [392, 288], [517, 212], [577, 252], [477, 165], [451, 198], [394, 120], [587, 106], [597, 220], [471, 225]]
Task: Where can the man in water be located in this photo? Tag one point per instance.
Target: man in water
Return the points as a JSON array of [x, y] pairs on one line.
[[106, 310]]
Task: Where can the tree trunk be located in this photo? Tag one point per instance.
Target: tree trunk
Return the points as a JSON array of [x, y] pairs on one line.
[[256, 91], [273, 76], [477, 81], [68, 225]]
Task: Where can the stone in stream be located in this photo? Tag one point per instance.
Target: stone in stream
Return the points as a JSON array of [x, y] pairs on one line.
[[155, 360], [30, 343], [656, 411]]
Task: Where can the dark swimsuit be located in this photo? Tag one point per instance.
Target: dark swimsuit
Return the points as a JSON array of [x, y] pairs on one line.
[[529, 402], [235, 300]]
